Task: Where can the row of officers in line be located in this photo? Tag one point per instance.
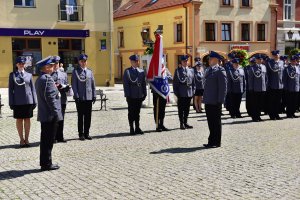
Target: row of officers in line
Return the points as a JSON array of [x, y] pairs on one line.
[[49, 95]]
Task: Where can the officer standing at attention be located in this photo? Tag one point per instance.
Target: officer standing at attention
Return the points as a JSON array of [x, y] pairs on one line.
[[134, 83], [236, 88], [61, 81], [184, 88], [249, 94], [275, 69], [258, 85], [49, 111], [83, 85], [215, 89], [291, 78]]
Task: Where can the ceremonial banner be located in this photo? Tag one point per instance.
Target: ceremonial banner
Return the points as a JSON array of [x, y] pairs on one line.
[[156, 74]]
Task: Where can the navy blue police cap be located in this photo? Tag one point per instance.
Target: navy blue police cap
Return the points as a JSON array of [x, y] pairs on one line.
[[275, 52], [214, 54], [258, 56], [252, 59], [235, 60], [20, 59], [294, 57], [184, 57], [45, 61], [197, 59], [82, 57], [134, 57], [56, 59]]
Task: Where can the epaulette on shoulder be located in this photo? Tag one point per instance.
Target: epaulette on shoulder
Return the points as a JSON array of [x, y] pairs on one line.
[[89, 68]]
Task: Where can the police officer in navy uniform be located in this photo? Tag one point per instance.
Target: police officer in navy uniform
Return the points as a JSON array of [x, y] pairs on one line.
[[291, 78], [49, 111], [134, 83], [215, 89], [83, 85], [275, 69], [199, 87], [258, 85], [236, 88], [249, 93], [61, 81], [228, 66], [184, 88]]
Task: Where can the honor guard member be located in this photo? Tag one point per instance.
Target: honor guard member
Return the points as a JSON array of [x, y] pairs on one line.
[[83, 85], [134, 83], [49, 111], [199, 76], [197, 61], [249, 101], [228, 66], [184, 89], [275, 69], [236, 88], [291, 78], [258, 85], [215, 89], [61, 81], [22, 99]]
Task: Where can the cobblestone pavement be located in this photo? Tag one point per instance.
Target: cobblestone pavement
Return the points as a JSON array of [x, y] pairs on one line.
[[256, 160]]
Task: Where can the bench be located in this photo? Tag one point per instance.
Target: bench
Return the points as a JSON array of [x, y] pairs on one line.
[[102, 99], [1, 106]]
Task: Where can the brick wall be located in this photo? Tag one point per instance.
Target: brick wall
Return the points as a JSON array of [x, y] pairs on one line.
[[297, 14], [280, 9]]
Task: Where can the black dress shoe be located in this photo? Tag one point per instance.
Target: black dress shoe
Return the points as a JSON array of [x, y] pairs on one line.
[[182, 127], [163, 128], [81, 138], [295, 116], [139, 131], [188, 126], [290, 116], [260, 119], [88, 137], [210, 146], [62, 141], [49, 167], [158, 130], [272, 118], [239, 116], [278, 118]]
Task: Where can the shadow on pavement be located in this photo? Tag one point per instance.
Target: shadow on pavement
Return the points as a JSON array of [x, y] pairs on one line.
[[11, 174], [16, 146], [179, 150]]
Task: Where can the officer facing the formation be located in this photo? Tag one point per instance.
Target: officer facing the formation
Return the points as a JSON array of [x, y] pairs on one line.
[[49, 111], [236, 88], [275, 69], [291, 78], [61, 81], [83, 85], [257, 85], [184, 89], [249, 95], [134, 83], [215, 89]]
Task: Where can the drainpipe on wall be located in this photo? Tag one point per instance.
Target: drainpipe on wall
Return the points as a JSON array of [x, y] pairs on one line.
[[186, 29], [111, 44]]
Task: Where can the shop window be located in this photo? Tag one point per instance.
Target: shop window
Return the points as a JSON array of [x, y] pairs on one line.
[[69, 50], [30, 49], [24, 3]]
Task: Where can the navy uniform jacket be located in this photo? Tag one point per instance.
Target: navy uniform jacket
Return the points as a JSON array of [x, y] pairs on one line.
[[215, 85], [291, 79], [236, 81], [199, 75], [275, 73], [246, 71], [134, 83], [184, 82], [21, 89], [83, 84], [258, 78], [61, 78], [49, 105]]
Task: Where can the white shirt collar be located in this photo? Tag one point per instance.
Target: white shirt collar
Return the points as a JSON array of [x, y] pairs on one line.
[[21, 71], [83, 68]]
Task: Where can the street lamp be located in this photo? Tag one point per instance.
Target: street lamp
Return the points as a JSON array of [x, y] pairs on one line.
[[145, 36], [290, 36]]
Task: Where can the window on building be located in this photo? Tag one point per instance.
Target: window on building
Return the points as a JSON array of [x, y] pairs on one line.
[[210, 31], [179, 33], [261, 32], [226, 2], [147, 29], [121, 39], [245, 3], [30, 49], [287, 9], [24, 3], [245, 32], [68, 50], [226, 32]]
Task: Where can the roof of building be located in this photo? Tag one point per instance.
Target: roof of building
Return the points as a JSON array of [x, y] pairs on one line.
[[140, 6]]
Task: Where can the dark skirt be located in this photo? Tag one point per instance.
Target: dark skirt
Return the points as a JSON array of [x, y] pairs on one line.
[[199, 92], [23, 111]]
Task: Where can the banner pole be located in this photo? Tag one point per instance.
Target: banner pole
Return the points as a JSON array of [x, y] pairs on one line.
[[157, 110]]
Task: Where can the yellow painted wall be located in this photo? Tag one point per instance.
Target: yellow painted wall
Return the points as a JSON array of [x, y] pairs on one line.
[[6, 62]]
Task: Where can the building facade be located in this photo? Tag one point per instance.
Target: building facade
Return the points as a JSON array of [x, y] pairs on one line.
[[194, 27], [288, 31], [38, 28]]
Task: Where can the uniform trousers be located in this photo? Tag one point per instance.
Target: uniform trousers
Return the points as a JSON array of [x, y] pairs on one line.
[[134, 109], [249, 102], [183, 105], [60, 129], [258, 104], [161, 108], [235, 103], [48, 131], [213, 115], [291, 103], [274, 102], [84, 115]]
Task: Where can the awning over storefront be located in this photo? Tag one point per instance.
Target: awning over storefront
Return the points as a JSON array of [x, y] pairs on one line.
[[296, 36], [25, 32]]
